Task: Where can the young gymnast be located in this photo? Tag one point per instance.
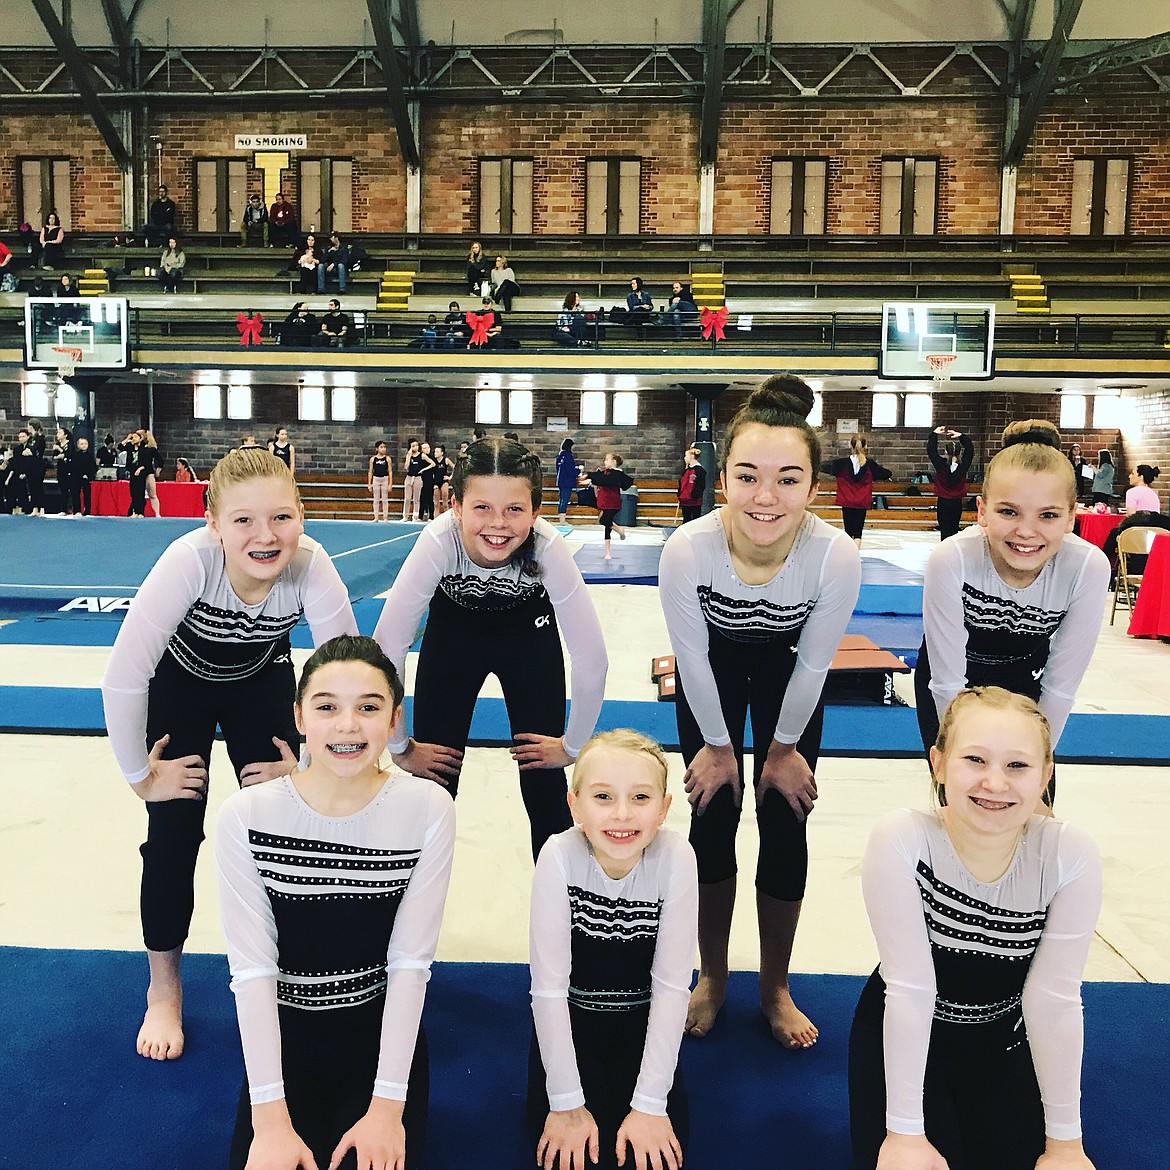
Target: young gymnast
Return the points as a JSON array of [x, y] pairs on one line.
[[280, 446], [609, 481], [612, 941], [1015, 600], [855, 474], [379, 479], [414, 463], [151, 459], [205, 643], [950, 476], [332, 882], [966, 1045], [756, 597], [499, 579]]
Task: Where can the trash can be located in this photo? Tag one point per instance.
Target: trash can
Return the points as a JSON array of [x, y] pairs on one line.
[[627, 516]]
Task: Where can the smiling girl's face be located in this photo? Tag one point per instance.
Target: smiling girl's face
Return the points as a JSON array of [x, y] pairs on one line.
[[1026, 516], [347, 715], [259, 523], [495, 518]]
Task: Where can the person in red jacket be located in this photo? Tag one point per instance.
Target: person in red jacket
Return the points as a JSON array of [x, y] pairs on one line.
[[950, 476], [691, 486], [855, 475], [609, 481]]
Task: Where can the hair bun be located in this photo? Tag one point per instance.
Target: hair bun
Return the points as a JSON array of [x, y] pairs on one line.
[[1032, 430], [783, 392]]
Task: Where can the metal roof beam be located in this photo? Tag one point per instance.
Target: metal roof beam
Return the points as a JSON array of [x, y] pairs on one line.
[[408, 25], [1123, 55], [1040, 87], [82, 73], [395, 87], [715, 17]]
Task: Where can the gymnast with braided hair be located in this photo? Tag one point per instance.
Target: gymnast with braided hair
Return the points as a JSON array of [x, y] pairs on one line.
[[498, 577]]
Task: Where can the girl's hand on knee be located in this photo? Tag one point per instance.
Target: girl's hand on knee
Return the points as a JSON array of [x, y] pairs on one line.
[[710, 770], [275, 1144], [378, 1139], [431, 761], [1068, 1155], [181, 779], [572, 1134], [540, 751], [904, 1151], [263, 771], [786, 771], [652, 1140]]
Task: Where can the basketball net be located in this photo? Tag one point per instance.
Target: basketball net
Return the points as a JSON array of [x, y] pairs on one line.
[[67, 358], [940, 365]]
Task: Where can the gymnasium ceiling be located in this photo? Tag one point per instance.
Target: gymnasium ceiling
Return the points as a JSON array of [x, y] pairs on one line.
[[278, 23]]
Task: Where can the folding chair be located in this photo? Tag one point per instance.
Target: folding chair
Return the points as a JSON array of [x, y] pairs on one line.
[[1130, 542]]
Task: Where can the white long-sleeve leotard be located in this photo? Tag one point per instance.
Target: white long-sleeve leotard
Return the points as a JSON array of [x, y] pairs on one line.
[[953, 949], [188, 605], [654, 908], [285, 871], [814, 591], [1064, 603], [438, 560]]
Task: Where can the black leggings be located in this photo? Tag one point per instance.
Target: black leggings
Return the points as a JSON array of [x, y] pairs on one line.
[[137, 485], [607, 517], [36, 487], [250, 712], [949, 513], [754, 674], [329, 1060], [690, 512], [958, 1122], [459, 651], [854, 521]]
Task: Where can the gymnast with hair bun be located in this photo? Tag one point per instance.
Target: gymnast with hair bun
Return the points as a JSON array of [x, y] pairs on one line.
[[1016, 600], [756, 597]]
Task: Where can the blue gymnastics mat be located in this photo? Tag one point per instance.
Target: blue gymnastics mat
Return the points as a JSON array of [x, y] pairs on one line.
[[109, 556], [111, 1108], [861, 731]]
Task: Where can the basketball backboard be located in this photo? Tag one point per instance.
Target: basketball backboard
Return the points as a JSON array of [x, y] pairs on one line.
[[913, 330], [83, 333]]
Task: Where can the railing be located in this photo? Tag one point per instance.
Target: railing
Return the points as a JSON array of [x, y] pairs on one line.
[[807, 334]]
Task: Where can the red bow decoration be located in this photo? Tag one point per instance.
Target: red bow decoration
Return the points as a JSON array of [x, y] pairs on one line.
[[249, 328], [713, 319], [480, 324]]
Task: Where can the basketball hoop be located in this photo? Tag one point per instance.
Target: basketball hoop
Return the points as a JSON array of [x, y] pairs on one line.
[[67, 358], [940, 365]]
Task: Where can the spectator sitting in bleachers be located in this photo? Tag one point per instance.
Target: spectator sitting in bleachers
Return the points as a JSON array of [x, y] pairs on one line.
[[50, 243], [457, 330], [65, 289], [307, 261], [170, 266], [254, 224], [504, 286], [570, 326], [334, 266], [477, 269], [299, 327], [335, 329], [160, 220], [282, 222], [681, 310], [7, 275]]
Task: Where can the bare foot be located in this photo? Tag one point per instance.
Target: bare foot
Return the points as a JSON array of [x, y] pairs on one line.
[[706, 1000], [790, 1026], [161, 1034]]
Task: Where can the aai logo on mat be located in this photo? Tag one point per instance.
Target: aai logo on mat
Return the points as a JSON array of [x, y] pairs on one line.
[[97, 604]]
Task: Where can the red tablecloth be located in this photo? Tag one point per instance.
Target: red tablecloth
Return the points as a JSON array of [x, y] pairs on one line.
[[111, 497], [1095, 527], [1151, 611]]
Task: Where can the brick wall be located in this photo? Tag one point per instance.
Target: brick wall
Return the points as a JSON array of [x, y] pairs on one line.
[[854, 137], [1068, 129], [559, 139], [95, 181], [1146, 436]]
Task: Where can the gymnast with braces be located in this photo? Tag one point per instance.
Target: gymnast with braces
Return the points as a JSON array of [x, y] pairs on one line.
[[756, 597], [332, 884], [205, 642], [1015, 600], [500, 579]]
